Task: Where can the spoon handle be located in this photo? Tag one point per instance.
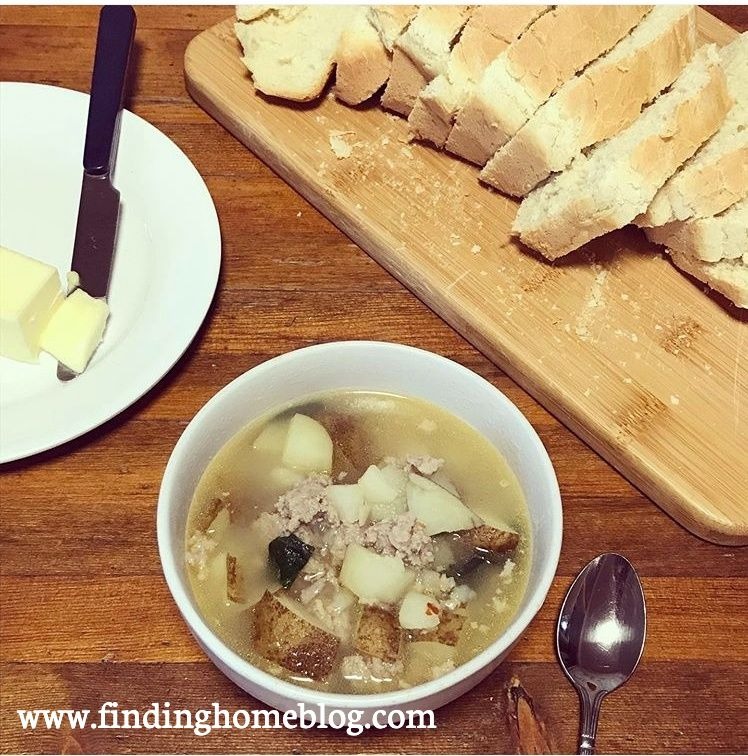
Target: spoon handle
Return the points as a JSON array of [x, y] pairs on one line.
[[590, 714]]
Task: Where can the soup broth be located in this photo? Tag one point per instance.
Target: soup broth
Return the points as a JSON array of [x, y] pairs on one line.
[[442, 513]]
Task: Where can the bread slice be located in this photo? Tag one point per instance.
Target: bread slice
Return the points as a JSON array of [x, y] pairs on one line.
[[489, 31], [717, 175], [603, 99], [391, 21], [616, 181], [290, 50], [524, 76], [728, 277], [719, 237], [421, 53], [362, 61]]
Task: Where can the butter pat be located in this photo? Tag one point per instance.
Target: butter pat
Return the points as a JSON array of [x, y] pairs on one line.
[[75, 330], [29, 293]]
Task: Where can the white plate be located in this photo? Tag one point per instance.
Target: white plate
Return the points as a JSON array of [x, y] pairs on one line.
[[165, 271]]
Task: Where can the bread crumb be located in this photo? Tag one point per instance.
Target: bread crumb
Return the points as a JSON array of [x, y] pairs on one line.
[[475, 249], [594, 301], [298, 215], [339, 145], [674, 400]]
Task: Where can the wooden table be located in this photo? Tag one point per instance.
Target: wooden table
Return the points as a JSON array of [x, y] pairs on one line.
[[85, 614]]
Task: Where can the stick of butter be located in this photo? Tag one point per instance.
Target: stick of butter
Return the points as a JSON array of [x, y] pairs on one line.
[[75, 330], [29, 293]]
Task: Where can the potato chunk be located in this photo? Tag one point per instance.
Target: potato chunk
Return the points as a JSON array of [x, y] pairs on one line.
[[272, 438], [284, 478], [283, 636], [439, 510], [426, 659], [382, 493], [372, 577], [308, 446], [219, 525], [419, 611], [396, 478], [348, 501], [379, 634]]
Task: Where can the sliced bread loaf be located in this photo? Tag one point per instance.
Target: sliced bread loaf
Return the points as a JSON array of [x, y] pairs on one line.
[[719, 237], [489, 31], [524, 76], [421, 53], [616, 181], [391, 21], [717, 175], [362, 60], [290, 50], [603, 99], [728, 277]]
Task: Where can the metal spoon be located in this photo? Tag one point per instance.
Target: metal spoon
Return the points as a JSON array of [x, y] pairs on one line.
[[600, 635]]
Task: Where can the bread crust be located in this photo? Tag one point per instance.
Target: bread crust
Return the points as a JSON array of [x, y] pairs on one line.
[[362, 61], [405, 82], [488, 32], [595, 105], [595, 209], [704, 192], [728, 277], [421, 53], [265, 42], [550, 51], [390, 21], [724, 236]]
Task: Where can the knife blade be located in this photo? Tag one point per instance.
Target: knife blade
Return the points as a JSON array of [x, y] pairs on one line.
[[98, 209]]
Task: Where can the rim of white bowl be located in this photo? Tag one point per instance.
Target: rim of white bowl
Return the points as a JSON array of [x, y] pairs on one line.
[[298, 693]]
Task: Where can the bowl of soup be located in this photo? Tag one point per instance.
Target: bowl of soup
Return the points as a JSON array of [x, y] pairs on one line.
[[359, 525]]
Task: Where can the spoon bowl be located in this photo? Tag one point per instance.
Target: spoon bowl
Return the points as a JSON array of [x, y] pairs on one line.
[[600, 636]]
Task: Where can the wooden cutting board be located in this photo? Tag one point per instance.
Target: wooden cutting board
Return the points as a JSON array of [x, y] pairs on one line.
[[631, 355]]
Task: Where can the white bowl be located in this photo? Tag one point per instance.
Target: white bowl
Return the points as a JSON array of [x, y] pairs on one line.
[[373, 366]]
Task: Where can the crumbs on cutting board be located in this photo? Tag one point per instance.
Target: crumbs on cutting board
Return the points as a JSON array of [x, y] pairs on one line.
[[339, 145], [362, 159], [627, 334], [594, 302]]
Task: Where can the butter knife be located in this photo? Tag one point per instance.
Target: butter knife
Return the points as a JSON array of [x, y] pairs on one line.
[[98, 210]]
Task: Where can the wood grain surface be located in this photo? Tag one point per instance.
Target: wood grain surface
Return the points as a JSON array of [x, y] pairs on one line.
[[612, 339], [85, 616]]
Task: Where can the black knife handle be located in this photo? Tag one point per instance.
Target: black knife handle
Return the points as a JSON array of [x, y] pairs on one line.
[[113, 44]]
